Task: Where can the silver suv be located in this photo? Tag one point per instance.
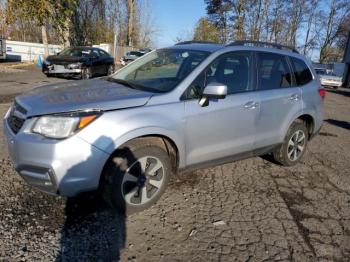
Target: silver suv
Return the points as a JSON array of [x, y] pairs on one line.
[[178, 108]]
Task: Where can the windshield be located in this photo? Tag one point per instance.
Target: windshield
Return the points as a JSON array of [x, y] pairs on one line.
[[161, 70], [75, 52]]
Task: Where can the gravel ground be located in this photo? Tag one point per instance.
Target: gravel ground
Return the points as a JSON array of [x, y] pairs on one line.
[[251, 210], [17, 78]]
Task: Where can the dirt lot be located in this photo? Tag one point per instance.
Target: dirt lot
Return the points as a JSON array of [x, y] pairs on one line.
[[252, 210]]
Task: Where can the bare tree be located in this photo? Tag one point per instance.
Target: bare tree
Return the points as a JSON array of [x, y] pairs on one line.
[[147, 28], [338, 11], [311, 9], [239, 13]]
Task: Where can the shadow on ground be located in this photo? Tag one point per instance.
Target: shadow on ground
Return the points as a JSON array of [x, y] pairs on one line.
[[343, 92], [91, 230], [339, 123]]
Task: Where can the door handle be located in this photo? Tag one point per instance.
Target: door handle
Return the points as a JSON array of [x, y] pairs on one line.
[[251, 105], [294, 97]]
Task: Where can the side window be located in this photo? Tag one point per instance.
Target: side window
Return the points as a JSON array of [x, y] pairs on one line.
[[273, 71], [232, 69], [95, 53], [102, 53], [301, 71]]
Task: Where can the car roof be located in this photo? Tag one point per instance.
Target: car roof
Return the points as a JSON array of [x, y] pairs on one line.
[[243, 45], [198, 46]]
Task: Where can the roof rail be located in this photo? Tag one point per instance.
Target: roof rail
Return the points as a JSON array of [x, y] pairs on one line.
[[262, 44], [194, 42]]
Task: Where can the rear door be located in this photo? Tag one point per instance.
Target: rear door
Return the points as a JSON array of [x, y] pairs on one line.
[[106, 60], [226, 126], [279, 97]]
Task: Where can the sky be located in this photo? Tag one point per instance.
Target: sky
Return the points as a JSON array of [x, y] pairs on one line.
[[175, 18]]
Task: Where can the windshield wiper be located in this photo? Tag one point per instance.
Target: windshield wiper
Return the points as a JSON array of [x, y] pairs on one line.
[[133, 85], [124, 82]]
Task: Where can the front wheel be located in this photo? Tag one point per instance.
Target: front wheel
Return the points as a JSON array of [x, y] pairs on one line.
[[136, 176], [86, 73], [294, 145]]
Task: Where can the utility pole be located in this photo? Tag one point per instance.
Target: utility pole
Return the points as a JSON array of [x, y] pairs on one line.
[[115, 46]]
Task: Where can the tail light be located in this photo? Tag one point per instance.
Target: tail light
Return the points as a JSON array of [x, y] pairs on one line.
[[322, 92]]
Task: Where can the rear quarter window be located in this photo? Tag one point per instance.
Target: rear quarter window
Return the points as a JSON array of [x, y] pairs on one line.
[[302, 72]]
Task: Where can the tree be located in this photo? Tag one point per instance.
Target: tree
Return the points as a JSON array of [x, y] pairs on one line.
[[337, 13], [37, 10], [205, 30], [238, 17], [63, 10], [131, 22], [311, 12], [218, 13]]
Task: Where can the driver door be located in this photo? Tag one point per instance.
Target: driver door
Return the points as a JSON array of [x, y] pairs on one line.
[[225, 127], [96, 63]]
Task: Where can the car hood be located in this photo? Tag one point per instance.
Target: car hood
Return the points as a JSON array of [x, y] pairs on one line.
[[96, 94], [65, 59]]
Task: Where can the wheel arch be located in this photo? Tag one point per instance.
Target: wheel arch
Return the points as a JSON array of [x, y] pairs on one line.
[[164, 141], [309, 121]]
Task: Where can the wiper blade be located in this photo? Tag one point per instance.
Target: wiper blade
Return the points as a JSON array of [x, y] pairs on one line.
[[123, 82], [132, 85]]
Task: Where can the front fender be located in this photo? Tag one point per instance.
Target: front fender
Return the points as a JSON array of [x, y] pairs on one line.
[[115, 128]]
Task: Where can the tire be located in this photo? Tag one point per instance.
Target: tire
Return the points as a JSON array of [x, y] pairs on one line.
[[49, 75], [110, 70], [290, 153], [135, 191], [86, 73]]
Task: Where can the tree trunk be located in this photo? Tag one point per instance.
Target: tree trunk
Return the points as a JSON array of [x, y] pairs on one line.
[[66, 33], [131, 6], [44, 39]]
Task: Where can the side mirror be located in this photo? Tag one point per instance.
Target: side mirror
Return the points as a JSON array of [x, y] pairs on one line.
[[213, 90]]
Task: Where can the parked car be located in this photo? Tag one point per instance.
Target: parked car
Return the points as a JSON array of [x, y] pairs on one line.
[[130, 56], [329, 79], [145, 50], [85, 62], [178, 108]]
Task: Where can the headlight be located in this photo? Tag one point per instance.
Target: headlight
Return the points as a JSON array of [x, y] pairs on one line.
[[74, 66], [61, 126]]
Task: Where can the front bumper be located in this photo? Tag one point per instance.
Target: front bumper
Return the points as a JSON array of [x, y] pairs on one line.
[[60, 69], [65, 167]]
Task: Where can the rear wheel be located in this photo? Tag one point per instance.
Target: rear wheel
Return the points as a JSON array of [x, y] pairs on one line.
[[110, 70], [294, 145], [136, 176]]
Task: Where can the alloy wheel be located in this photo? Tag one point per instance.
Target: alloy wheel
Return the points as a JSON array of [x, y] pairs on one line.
[[296, 145], [142, 180]]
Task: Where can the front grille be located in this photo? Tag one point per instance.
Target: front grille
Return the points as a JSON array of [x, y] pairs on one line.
[[15, 123], [16, 117]]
